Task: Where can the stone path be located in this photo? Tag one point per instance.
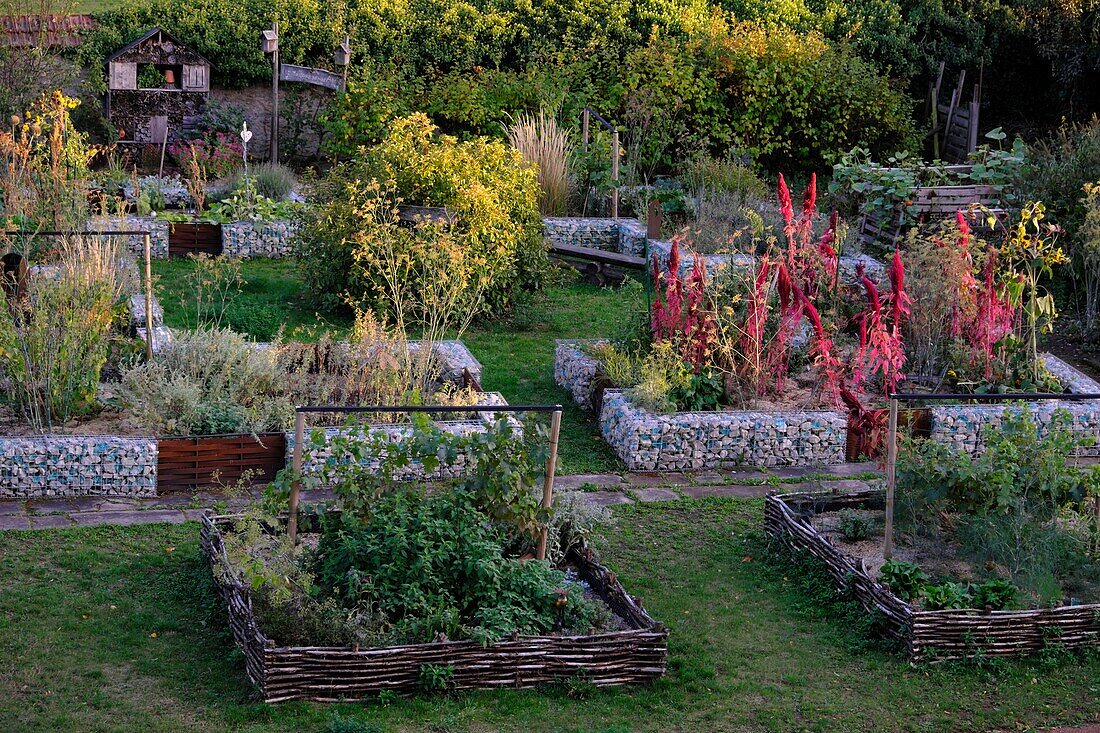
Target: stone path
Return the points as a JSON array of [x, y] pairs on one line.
[[605, 489]]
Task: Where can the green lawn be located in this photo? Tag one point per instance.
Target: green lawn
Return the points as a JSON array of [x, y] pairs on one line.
[[113, 629], [517, 355]]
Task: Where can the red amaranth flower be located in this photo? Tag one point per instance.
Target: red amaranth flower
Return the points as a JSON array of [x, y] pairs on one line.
[[785, 206]]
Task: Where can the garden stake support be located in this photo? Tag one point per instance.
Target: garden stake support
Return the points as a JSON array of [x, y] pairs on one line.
[[908, 397], [891, 473], [548, 484], [296, 487], [148, 246], [299, 438]]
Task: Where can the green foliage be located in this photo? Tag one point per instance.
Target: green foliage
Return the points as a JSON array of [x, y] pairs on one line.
[[435, 679], [433, 566], [704, 391], [995, 594], [947, 595], [207, 382], [273, 181], [492, 243], [904, 578], [855, 526], [339, 724], [1057, 169], [55, 342]]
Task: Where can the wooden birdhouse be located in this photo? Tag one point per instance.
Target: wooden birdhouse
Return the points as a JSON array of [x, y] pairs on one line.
[[155, 85]]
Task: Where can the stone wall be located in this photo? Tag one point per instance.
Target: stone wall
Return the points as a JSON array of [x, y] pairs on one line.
[[962, 425], [314, 460], [574, 370], [680, 441], [158, 233], [718, 262], [244, 239], [625, 236], [77, 466]]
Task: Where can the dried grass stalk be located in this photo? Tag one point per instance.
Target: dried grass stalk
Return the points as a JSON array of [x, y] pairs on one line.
[[546, 145]]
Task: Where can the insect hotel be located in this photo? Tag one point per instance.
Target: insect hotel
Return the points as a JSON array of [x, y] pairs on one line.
[[156, 86]]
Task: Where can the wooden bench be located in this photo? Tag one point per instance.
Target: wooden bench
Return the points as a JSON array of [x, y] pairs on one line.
[[601, 267]]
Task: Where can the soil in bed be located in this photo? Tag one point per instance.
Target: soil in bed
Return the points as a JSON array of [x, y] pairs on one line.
[[940, 557]]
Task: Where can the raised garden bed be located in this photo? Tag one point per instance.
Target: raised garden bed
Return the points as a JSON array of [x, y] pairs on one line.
[[929, 636], [331, 674], [648, 441]]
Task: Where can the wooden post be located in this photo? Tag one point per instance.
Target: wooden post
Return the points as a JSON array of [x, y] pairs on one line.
[[149, 335], [584, 128], [296, 486], [891, 478], [548, 485], [163, 148], [275, 96], [615, 174], [653, 220]]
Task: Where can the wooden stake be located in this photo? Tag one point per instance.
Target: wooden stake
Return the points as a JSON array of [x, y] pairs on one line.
[[584, 128], [148, 296], [275, 96], [296, 486], [891, 478], [615, 174], [163, 148], [548, 485]]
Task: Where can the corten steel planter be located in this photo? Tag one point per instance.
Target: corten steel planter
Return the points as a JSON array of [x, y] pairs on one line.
[[192, 238], [330, 674], [929, 636], [185, 464]]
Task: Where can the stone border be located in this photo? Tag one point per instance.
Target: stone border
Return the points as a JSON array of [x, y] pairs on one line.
[[662, 249], [962, 425], [647, 441], [625, 236], [245, 239], [157, 228], [70, 465]]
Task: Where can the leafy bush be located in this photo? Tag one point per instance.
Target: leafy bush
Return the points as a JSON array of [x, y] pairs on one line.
[[353, 248], [994, 594], [904, 578], [220, 156], [208, 382], [947, 595], [432, 566], [272, 181], [855, 526], [55, 342]]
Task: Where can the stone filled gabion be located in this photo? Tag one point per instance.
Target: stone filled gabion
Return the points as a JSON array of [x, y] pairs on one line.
[[135, 243], [314, 460], [662, 249], [77, 466], [625, 236], [244, 239], [680, 441], [962, 426], [575, 370]]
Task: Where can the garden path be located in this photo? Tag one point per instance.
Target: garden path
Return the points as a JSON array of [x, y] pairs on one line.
[[606, 489]]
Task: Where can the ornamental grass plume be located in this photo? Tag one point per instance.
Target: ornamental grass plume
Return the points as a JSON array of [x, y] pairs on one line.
[[546, 145]]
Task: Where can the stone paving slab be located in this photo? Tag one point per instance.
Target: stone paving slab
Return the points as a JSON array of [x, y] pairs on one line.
[[851, 469], [50, 506], [577, 480], [14, 521], [128, 518], [648, 495], [839, 485], [8, 508], [658, 479], [742, 491], [51, 521], [607, 498]]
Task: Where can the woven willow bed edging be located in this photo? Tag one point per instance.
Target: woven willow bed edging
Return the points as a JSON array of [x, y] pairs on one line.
[[332, 674], [929, 636]]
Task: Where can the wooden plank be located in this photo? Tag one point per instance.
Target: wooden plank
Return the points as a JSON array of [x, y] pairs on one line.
[[309, 75], [190, 463], [598, 255]]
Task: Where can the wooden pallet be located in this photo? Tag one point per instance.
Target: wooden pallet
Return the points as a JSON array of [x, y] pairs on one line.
[[187, 464], [187, 238]]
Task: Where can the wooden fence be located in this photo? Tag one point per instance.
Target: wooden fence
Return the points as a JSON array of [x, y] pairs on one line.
[[929, 636], [331, 674], [189, 238]]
